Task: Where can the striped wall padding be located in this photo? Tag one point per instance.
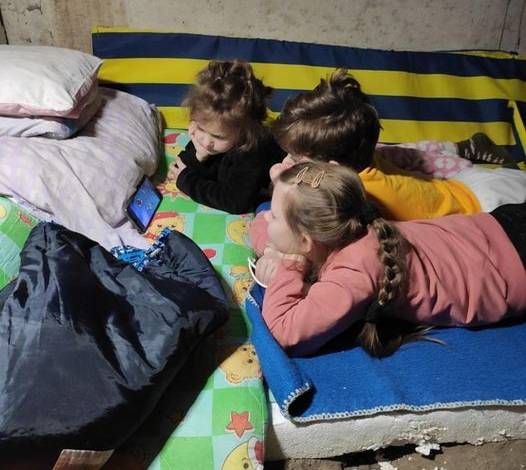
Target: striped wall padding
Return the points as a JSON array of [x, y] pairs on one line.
[[418, 95]]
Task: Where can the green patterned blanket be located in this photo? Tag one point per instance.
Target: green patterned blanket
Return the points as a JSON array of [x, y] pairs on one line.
[[214, 415]]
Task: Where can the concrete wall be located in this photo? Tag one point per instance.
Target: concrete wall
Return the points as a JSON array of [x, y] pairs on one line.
[[3, 38], [388, 24]]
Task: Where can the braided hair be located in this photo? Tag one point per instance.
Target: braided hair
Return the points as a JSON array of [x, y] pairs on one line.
[[230, 92], [335, 121], [329, 203]]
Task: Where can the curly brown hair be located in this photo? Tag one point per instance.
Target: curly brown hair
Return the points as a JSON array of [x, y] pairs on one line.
[[229, 91], [335, 121]]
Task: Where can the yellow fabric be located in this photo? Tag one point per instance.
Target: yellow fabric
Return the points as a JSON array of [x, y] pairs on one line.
[[402, 196], [519, 124], [395, 130], [306, 77], [375, 82], [398, 130]]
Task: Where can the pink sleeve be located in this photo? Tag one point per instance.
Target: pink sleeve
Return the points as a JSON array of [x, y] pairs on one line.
[[303, 319], [431, 161], [257, 233]]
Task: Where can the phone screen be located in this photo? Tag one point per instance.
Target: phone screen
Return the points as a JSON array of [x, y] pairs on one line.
[[143, 204]]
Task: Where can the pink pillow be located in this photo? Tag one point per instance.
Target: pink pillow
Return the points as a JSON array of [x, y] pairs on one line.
[[52, 127], [46, 81]]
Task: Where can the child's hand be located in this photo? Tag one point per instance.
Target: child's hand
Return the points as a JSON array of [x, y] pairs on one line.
[[266, 268], [286, 163], [275, 171], [201, 153], [267, 265], [175, 169]]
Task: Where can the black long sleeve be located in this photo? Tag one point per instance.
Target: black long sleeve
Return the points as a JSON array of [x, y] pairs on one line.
[[232, 181]]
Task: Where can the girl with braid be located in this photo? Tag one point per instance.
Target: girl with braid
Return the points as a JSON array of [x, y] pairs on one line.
[[332, 262]]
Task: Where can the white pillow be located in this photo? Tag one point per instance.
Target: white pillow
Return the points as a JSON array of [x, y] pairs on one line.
[[52, 127], [84, 182], [45, 81]]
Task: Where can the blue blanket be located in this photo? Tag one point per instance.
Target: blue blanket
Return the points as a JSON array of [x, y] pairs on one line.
[[476, 368]]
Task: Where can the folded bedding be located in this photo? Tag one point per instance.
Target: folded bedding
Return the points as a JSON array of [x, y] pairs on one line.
[[74, 304], [84, 182]]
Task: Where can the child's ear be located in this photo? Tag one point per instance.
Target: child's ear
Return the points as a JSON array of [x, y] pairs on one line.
[[306, 243]]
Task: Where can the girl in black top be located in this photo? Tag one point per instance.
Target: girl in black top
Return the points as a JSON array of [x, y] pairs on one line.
[[226, 164]]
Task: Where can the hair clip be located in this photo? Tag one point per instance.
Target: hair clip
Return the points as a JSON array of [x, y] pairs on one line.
[[300, 175], [315, 182]]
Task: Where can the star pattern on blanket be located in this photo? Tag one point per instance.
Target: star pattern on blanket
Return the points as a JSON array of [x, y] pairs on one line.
[[239, 423]]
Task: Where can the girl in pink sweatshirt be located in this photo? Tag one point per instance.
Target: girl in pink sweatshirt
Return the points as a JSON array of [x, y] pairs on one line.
[[333, 262]]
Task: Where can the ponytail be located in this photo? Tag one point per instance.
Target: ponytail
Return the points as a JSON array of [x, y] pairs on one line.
[[385, 336], [382, 333]]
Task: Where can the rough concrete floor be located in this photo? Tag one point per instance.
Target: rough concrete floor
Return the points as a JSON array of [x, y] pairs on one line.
[[509, 455]]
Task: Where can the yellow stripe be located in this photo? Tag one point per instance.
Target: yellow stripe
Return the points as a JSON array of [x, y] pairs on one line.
[[177, 71], [519, 124], [412, 131], [174, 117], [490, 54], [300, 77], [396, 130]]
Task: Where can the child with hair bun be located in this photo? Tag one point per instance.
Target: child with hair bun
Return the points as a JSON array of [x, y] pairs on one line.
[[335, 122], [226, 164], [340, 263]]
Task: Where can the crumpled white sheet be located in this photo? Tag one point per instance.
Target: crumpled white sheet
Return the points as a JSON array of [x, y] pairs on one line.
[[84, 182]]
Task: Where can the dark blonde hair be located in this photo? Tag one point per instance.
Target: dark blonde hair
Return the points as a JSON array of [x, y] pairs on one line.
[[329, 204], [335, 121], [230, 91]]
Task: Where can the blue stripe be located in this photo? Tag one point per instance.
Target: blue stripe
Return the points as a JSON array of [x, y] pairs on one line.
[[389, 107], [159, 94], [162, 45], [425, 109]]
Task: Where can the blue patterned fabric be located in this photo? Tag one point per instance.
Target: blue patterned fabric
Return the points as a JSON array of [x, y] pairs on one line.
[[475, 368]]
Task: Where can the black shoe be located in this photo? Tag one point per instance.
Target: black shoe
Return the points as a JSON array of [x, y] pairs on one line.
[[481, 149]]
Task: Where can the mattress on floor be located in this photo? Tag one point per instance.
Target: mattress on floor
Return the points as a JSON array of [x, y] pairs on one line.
[[419, 96], [216, 409], [427, 430]]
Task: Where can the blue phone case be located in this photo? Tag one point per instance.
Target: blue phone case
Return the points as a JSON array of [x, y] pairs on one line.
[[143, 204]]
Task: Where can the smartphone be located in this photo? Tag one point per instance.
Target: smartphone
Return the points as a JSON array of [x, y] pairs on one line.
[[143, 204]]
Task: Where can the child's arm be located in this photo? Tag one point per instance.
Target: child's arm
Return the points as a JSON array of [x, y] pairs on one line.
[[237, 193], [303, 318], [257, 233], [427, 157], [188, 158]]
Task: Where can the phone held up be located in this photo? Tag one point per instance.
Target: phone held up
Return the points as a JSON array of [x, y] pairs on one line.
[[143, 204]]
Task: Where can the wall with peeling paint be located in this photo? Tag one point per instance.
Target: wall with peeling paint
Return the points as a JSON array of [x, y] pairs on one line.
[[387, 24]]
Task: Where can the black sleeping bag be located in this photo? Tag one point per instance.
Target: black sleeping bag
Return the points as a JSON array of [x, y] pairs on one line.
[[88, 344]]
